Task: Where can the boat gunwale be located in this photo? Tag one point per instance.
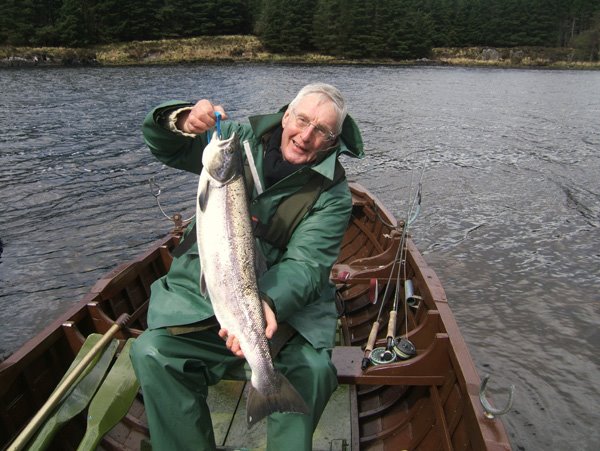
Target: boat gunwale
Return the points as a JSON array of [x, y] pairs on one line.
[[53, 332], [489, 434]]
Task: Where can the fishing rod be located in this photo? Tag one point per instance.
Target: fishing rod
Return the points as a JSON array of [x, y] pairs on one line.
[[387, 354], [375, 327], [390, 352]]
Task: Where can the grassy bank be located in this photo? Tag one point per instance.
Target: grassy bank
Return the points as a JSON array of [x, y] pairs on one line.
[[215, 49]]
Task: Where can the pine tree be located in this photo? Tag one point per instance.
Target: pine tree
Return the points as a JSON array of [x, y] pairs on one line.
[[327, 35], [268, 28], [17, 24], [286, 27], [587, 43], [72, 27], [181, 18], [358, 24], [232, 17]]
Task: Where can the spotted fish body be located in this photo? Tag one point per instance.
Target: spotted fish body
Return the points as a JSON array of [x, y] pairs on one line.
[[227, 258]]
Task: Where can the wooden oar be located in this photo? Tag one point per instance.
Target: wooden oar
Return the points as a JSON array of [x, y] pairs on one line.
[[112, 401], [77, 399], [58, 393]]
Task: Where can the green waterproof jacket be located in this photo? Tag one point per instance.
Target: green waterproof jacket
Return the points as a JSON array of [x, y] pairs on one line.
[[297, 278]]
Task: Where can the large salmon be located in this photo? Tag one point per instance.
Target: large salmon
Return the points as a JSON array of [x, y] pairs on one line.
[[227, 258]]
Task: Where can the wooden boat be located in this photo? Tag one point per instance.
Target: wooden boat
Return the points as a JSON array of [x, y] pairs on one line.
[[428, 402]]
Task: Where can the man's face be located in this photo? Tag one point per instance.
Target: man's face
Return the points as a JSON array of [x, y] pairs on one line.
[[307, 129]]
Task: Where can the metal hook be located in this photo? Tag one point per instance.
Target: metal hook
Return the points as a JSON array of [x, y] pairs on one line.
[[489, 411], [156, 190], [154, 187]]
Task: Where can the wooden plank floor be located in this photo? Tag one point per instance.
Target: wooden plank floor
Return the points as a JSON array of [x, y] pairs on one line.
[[227, 401]]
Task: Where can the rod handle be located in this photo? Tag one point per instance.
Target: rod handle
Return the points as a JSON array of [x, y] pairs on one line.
[[391, 330], [372, 337]]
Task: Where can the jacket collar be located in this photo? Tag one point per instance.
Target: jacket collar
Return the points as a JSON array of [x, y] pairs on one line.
[[350, 142]]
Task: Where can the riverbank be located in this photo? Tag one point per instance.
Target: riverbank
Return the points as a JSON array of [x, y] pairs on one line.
[[227, 49]]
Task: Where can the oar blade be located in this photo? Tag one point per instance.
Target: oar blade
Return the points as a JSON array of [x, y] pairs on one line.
[[112, 401], [74, 401]]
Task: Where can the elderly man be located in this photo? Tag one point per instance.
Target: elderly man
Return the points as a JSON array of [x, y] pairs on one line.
[[184, 350]]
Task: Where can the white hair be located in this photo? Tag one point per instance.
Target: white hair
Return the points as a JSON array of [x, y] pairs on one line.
[[330, 93]]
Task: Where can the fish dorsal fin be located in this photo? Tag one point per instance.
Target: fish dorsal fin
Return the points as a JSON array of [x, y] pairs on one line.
[[203, 196]]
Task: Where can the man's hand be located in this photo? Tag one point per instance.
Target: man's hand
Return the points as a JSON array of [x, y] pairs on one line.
[[232, 342], [200, 118]]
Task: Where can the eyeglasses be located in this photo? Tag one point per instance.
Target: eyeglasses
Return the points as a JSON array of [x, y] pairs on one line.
[[302, 123]]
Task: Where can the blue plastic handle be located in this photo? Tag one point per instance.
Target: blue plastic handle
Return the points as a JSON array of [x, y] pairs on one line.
[[208, 133], [218, 116]]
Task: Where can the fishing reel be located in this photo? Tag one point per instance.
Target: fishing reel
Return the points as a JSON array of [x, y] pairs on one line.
[[399, 349], [380, 356], [404, 348]]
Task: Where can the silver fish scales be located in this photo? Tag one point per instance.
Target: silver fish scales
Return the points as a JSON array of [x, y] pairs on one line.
[[227, 258]]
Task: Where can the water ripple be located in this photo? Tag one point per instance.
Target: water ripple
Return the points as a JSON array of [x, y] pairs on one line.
[[509, 219]]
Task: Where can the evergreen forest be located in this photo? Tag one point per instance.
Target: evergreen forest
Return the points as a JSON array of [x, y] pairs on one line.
[[399, 29]]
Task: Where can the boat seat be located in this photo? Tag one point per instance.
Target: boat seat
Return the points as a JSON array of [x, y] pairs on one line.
[[429, 367]]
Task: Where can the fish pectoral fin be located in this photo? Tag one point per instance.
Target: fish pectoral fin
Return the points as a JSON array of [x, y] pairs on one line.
[[203, 196], [260, 262], [203, 290], [286, 399]]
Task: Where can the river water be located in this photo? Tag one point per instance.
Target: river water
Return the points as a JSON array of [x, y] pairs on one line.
[[510, 215]]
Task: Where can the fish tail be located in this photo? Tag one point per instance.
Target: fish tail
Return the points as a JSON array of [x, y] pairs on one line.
[[286, 399]]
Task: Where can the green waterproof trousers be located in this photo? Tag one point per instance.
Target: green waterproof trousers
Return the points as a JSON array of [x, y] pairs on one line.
[[175, 371]]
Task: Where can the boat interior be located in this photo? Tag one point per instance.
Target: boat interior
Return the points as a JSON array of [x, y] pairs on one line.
[[424, 402]]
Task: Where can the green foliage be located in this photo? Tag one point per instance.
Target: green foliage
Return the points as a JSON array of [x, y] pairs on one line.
[[28, 22], [382, 29], [398, 29], [327, 35], [587, 43], [232, 17], [119, 21], [287, 27], [179, 18], [73, 27]]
